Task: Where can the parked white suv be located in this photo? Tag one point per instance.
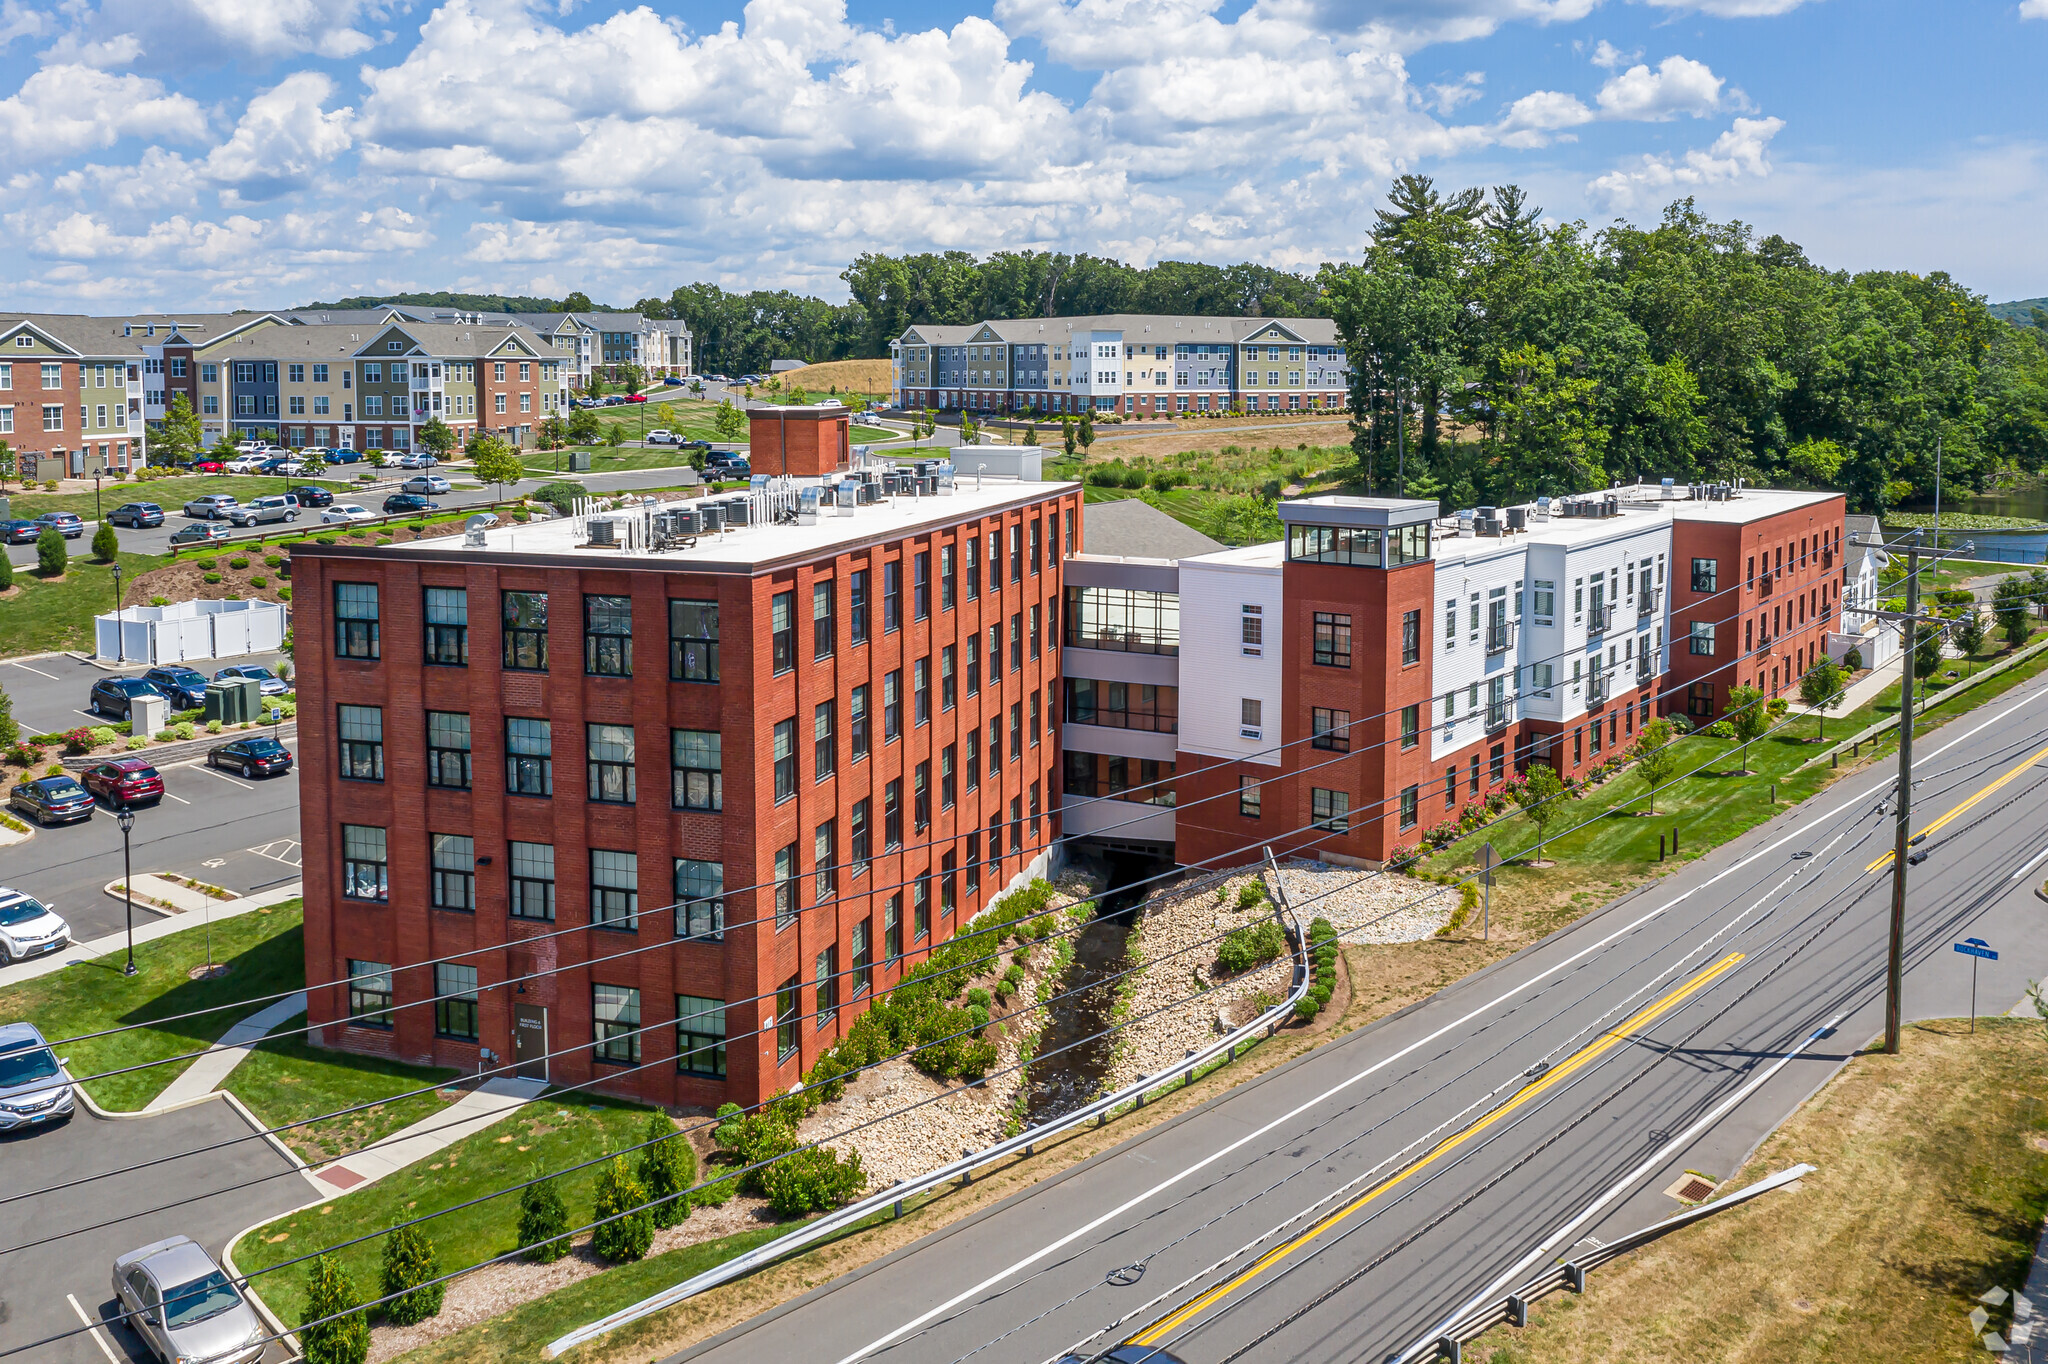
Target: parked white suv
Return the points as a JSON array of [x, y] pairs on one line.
[[28, 928], [278, 507], [661, 437]]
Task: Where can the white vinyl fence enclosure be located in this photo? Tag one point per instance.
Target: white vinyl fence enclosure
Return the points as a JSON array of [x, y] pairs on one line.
[[188, 630]]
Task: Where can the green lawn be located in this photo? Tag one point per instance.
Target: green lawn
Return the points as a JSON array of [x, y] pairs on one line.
[[285, 1080], [57, 613], [604, 459], [874, 435], [171, 493], [557, 1130], [521, 1334]]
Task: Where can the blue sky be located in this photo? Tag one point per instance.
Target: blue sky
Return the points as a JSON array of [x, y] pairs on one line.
[[204, 154]]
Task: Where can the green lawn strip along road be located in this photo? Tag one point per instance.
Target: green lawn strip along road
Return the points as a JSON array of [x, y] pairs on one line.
[[173, 493], [47, 614], [557, 1130], [520, 1335], [285, 1080]]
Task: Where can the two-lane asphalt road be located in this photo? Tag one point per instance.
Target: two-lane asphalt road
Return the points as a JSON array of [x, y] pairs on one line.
[[1341, 1207]]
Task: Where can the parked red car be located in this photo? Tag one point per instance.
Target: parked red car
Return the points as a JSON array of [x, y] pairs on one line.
[[122, 782], [208, 466], [636, 397]]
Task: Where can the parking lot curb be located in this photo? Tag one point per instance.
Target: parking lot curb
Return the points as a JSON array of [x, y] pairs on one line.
[[183, 750], [112, 892]]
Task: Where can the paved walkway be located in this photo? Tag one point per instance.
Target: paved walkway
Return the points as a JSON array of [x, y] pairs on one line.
[[148, 932], [1872, 684], [472, 1113], [214, 1065]]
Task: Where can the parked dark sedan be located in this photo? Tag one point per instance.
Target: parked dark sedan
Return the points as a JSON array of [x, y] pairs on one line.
[[123, 782], [253, 757], [52, 800], [408, 502], [185, 686], [20, 532], [137, 515], [68, 524], [311, 497], [112, 695]]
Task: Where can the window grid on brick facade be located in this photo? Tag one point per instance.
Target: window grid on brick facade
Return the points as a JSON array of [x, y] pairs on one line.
[[823, 620], [1332, 639], [825, 861], [448, 750], [787, 901], [857, 723], [361, 730], [1248, 801], [455, 1001], [526, 631], [529, 757], [700, 1036], [697, 775], [607, 636], [693, 641], [784, 755], [447, 626], [615, 1015], [700, 899], [365, 865], [892, 596], [857, 606], [614, 889], [608, 753], [533, 880], [356, 620], [369, 994], [892, 705], [781, 632], [454, 871], [1330, 810]]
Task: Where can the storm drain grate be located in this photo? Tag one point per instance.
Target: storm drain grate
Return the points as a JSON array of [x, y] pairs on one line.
[[1691, 1188]]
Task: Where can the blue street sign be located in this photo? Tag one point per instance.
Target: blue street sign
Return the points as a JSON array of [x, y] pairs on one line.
[[1976, 947]]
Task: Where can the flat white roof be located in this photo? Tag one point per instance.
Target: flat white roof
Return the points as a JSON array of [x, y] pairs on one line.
[[1751, 504], [1272, 554], [749, 547]]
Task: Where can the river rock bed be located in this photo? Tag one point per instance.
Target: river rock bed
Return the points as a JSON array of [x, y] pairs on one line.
[[1368, 907]]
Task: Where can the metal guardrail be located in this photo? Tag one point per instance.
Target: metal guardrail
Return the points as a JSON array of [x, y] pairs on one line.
[[852, 1214], [1570, 1275]]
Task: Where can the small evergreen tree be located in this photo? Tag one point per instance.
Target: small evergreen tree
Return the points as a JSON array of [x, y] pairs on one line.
[[50, 556], [1067, 435], [7, 461], [1927, 649], [6, 572], [10, 731], [1970, 632], [1031, 434], [104, 543], [1086, 435], [409, 1266], [625, 1231], [728, 420], [331, 1293], [543, 1217], [664, 1170], [2011, 604]]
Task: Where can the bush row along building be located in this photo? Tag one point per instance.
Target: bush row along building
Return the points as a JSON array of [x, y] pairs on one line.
[[697, 799], [1127, 363], [77, 393]]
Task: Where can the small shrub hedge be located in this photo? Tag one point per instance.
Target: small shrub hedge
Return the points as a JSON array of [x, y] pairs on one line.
[[543, 1218], [1322, 942], [1250, 946]]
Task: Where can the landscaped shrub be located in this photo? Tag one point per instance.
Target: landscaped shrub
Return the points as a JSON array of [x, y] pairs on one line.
[[183, 729], [50, 553], [1252, 945], [409, 1264], [1252, 895], [1013, 979], [259, 582], [665, 1170], [212, 726], [977, 1015], [212, 577], [238, 562], [207, 561], [272, 560], [812, 1180], [6, 572], [625, 1231], [330, 1291], [137, 742], [105, 544], [284, 594], [102, 735], [77, 741], [977, 998], [543, 1217]]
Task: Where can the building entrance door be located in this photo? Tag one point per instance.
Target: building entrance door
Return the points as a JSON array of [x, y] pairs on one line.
[[530, 1041]]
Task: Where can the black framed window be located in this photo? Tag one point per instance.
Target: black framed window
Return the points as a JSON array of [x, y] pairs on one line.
[[973, 759], [1411, 636], [892, 704], [782, 632], [700, 899], [948, 686], [365, 865], [1016, 640], [823, 622], [859, 837], [533, 880], [921, 691], [700, 1036], [529, 757], [857, 722], [972, 546], [1331, 729], [1037, 543], [1037, 630], [454, 871], [362, 742], [921, 796], [786, 900], [787, 1009], [921, 907], [824, 742], [355, 621], [921, 585], [825, 858], [785, 760], [1124, 620], [948, 792], [369, 994], [1122, 705], [1409, 797], [947, 555], [693, 641], [1331, 810], [995, 747], [1248, 800], [1016, 824], [615, 1015], [1701, 638], [974, 665], [448, 750], [825, 987], [526, 631], [608, 750], [973, 864], [1332, 640], [892, 928], [455, 1001], [696, 762], [1411, 725], [862, 959], [892, 596], [1706, 575], [892, 815], [1035, 713], [447, 613], [948, 885], [614, 889], [857, 606], [1016, 554], [607, 636]]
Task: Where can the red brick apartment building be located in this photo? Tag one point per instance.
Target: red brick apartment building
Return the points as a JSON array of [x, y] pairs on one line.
[[572, 725]]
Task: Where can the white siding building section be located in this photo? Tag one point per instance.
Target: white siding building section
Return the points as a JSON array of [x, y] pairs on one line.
[[1219, 593]]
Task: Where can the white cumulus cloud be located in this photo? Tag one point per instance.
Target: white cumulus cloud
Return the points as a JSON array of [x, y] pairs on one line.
[[283, 139], [1678, 85], [1739, 153], [2034, 9], [66, 109]]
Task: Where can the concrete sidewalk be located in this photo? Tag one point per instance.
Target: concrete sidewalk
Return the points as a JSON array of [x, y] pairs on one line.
[[467, 1116], [144, 933], [214, 1065], [1877, 682]]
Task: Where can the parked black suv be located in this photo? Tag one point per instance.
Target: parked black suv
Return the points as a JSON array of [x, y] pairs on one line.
[[111, 695]]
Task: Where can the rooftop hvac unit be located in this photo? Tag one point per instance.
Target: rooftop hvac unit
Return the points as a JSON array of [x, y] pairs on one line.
[[714, 517], [1518, 518], [1465, 519], [846, 496], [737, 511], [807, 506], [1486, 525], [1543, 509], [602, 531], [1670, 489]]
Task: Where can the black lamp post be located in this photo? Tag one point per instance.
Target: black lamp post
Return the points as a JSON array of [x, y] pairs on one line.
[[126, 818], [96, 494]]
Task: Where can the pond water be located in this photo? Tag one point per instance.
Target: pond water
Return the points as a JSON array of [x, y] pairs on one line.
[[2028, 501]]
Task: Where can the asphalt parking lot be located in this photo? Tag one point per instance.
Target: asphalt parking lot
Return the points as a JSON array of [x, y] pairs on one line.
[[57, 1250], [215, 826]]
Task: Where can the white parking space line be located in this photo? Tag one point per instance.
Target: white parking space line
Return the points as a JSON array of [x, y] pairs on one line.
[[92, 1328], [180, 799], [229, 780], [285, 850], [37, 671]]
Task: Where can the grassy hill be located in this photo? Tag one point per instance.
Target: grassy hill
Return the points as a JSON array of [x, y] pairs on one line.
[[851, 376], [2019, 312]]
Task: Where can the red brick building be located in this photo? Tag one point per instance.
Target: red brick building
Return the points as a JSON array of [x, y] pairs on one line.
[[570, 725]]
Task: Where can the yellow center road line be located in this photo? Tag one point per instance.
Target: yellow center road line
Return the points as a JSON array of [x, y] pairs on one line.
[[1983, 791], [1556, 1075]]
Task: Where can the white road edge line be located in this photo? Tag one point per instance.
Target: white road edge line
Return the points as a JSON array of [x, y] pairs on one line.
[[92, 1328], [1051, 1247], [37, 671], [1514, 1272], [2032, 862]]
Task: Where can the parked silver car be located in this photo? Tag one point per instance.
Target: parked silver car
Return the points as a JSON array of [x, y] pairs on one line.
[[277, 507], [211, 507], [185, 1307], [28, 928], [33, 1087]]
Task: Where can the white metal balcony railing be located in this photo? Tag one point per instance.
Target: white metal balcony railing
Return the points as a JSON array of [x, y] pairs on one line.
[[1496, 716], [1601, 619], [1648, 601], [1596, 689], [1500, 637]]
